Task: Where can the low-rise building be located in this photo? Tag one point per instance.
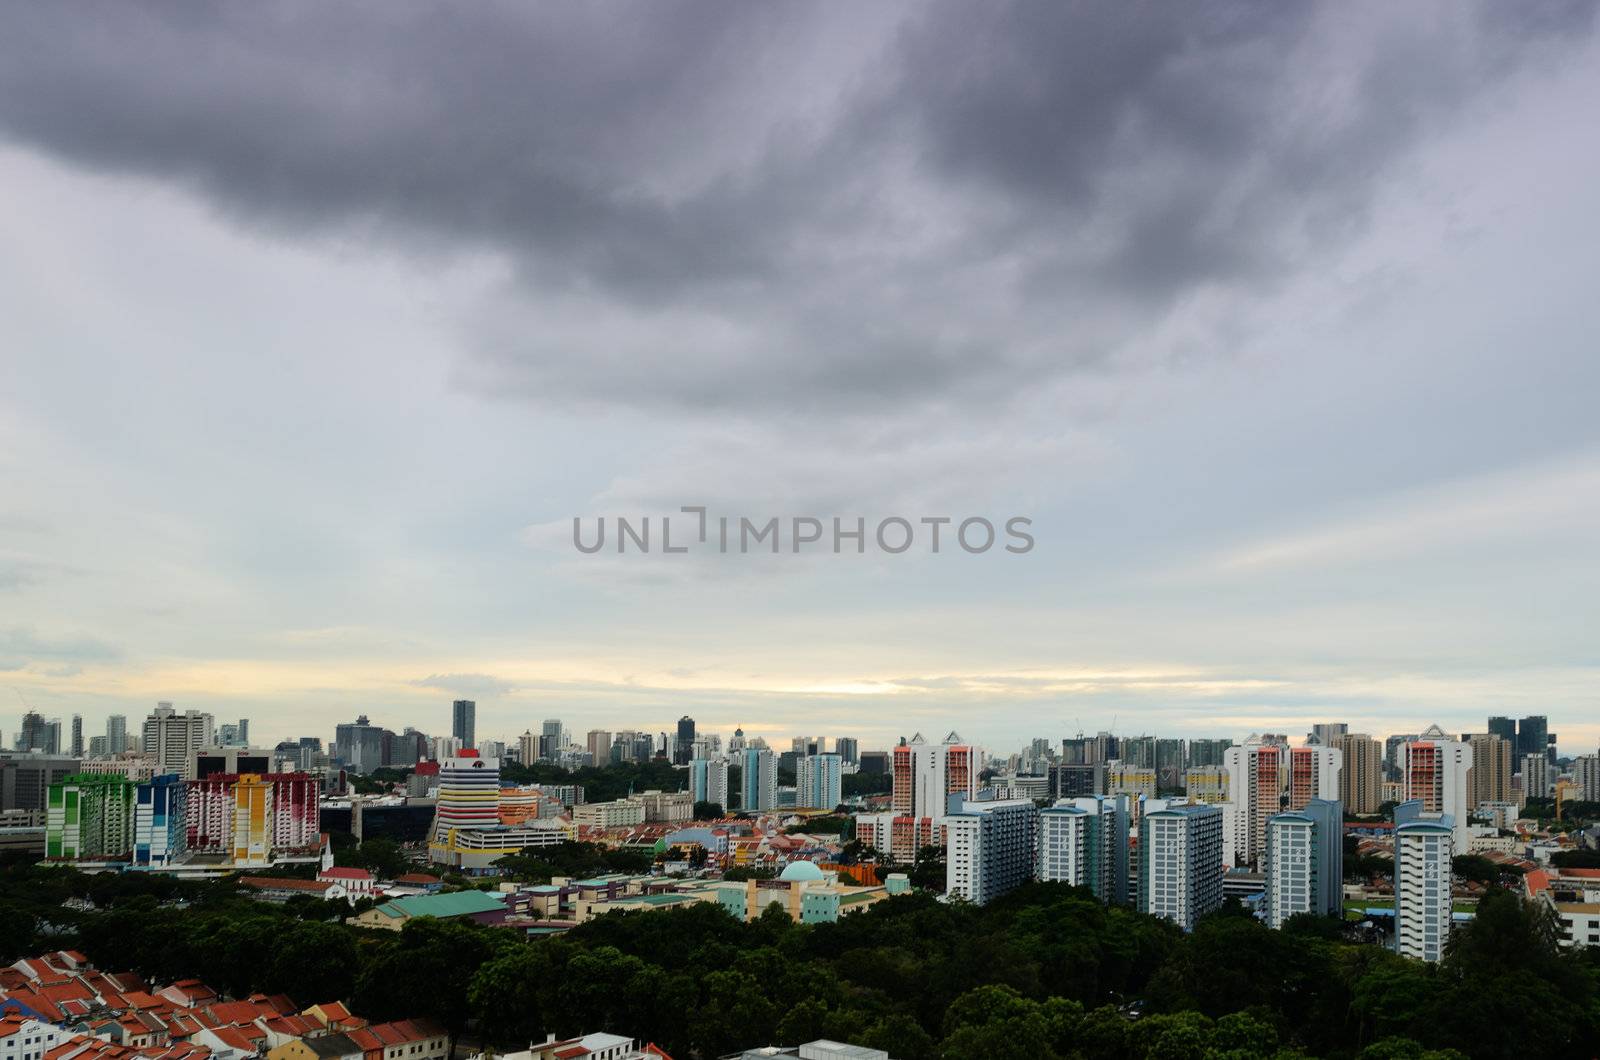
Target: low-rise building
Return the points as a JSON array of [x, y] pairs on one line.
[[393, 915]]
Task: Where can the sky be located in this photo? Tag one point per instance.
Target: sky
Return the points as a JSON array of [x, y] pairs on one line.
[[320, 324]]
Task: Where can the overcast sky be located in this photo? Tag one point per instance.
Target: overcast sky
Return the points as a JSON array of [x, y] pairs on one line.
[[320, 323]]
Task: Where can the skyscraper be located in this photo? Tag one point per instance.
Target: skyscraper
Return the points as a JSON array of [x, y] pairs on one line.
[[116, 734], [1084, 842], [1180, 862], [77, 736], [759, 780], [598, 744], [926, 775], [1538, 777], [34, 734], [1491, 769], [683, 751], [1326, 734], [1506, 729], [1304, 862], [464, 722], [1533, 735]]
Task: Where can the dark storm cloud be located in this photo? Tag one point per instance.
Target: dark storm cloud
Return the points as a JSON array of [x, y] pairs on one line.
[[737, 205]]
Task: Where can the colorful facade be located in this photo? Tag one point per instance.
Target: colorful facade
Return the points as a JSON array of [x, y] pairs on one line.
[[160, 825], [89, 817]]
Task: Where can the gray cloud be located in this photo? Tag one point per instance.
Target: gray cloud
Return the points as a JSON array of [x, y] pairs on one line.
[[22, 646], [783, 206], [467, 684]]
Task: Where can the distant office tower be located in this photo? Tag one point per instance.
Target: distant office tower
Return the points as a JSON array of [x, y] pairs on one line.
[[1506, 729], [1394, 755], [25, 779], [77, 736], [34, 734], [819, 782], [759, 780], [598, 744], [234, 734], [360, 745], [464, 723], [1423, 847], [683, 750], [90, 818], [1533, 735], [1207, 784], [1071, 780], [171, 739], [1207, 752], [1538, 778], [736, 742], [1266, 776], [1304, 862], [1084, 842], [1326, 734], [1133, 781], [117, 734], [1360, 773], [1491, 769], [1438, 773], [849, 750], [708, 779], [159, 821], [875, 761], [469, 794], [992, 847], [1180, 862]]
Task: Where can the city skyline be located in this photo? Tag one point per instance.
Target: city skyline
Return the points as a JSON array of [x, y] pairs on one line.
[[1276, 328]]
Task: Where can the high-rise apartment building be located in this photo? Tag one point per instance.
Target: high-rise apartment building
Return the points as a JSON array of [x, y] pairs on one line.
[[708, 780], [1207, 784], [926, 775], [1360, 772], [991, 848], [1492, 769], [160, 829], [172, 739], [1437, 771], [1207, 752], [1538, 777], [249, 817], [90, 818], [1180, 862], [849, 750], [819, 781], [1304, 862], [1084, 842], [759, 780], [77, 736], [464, 723], [1586, 774], [1423, 848], [1133, 781], [1266, 776]]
